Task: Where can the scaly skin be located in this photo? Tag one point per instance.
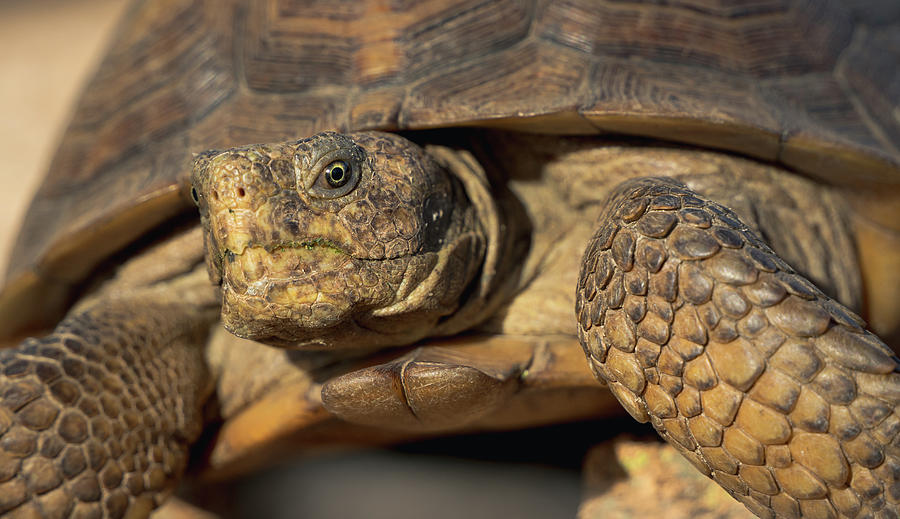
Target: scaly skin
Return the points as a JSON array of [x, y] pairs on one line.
[[97, 417], [762, 381]]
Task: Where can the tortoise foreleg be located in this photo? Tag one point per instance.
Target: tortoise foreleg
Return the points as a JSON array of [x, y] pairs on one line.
[[96, 418], [766, 384]]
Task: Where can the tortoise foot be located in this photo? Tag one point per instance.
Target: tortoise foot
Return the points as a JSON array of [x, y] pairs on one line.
[[476, 383], [96, 418], [763, 382]]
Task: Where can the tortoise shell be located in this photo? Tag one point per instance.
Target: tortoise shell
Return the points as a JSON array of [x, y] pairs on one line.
[[811, 84]]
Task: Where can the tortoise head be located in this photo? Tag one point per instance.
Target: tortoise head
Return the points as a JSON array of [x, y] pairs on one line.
[[358, 240]]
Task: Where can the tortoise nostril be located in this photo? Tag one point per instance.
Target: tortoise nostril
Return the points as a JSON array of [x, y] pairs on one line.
[[240, 192], [215, 195]]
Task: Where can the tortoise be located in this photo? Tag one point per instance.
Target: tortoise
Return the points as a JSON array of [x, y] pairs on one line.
[[730, 169]]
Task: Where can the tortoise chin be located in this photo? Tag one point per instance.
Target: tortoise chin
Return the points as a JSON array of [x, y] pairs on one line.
[[290, 294]]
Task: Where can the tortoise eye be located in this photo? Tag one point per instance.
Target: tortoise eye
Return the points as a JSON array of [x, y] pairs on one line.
[[336, 179], [337, 174], [195, 196]]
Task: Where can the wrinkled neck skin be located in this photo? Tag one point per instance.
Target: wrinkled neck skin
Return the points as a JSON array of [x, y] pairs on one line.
[[356, 241]]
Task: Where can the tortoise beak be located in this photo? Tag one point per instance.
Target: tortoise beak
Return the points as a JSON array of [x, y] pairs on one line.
[[197, 191]]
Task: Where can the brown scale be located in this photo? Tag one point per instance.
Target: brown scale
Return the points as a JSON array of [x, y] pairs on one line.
[[765, 384], [71, 405]]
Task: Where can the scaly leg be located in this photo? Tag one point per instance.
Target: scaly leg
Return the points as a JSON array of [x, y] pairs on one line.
[[766, 384], [96, 418]]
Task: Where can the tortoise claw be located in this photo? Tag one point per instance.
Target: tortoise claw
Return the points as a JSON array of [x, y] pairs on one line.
[[471, 383], [430, 388]]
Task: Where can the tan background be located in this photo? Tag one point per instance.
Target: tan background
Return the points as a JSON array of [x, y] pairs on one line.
[[48, 48]]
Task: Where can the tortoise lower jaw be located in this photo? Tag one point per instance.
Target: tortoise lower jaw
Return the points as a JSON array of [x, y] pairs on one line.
[[271, 316], [299, 292], [327, 324], [279, 324]]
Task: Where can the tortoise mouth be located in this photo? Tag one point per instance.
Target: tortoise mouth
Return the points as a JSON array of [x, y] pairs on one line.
[[287, 261], [308, 244], [301, 245], [291, 275], [251, 263]]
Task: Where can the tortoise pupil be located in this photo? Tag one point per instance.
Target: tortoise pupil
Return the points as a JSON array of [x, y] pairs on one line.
[[195, 195], [336, 174]]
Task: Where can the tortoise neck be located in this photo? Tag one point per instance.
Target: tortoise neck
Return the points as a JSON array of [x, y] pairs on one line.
[[505, 235]]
